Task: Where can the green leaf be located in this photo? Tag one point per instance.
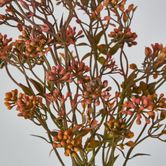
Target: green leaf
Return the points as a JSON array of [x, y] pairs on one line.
[[93, 144], [103, 48], [86, 56], [114, 49], [111, 162], [82, 44], [1, 63], [143, 86], [151, 88], [116, 82], [26, 90], [38, 86], [61, 22], [139, 154], [130, 80], [40, 137], [101, 60], [98, 36], [99, 1]]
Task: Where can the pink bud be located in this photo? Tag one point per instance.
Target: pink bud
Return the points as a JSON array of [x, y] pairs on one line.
[[137, 101], [62, 72], [97, 103], [145, 102], [129, 112], [150, 107], [80, 32], [54, 70], [147, 121], [124, 112], [88, 101], [133, 99], [105, 83], [141, 108], [139, 116], [51, 78], [45, 28], [138, 121], [65, 77], [131, 105]]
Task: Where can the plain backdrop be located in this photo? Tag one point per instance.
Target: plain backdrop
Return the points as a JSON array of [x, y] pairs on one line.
[[18, 148]]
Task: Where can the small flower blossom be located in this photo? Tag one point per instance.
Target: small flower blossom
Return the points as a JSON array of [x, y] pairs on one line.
[[118, 35], [71, 36], [4, 2], [11, 99], [32, 44], [5, 46], [69, 141], [142, 106], [59, 74], [27, 105], [118, 127], [155, 58], [94, 90], [79, 69]]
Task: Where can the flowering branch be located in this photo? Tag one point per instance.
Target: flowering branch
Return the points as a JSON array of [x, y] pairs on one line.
[[86, 88]]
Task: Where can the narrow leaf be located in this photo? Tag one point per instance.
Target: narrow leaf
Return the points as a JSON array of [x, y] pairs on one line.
[[86, 56], [98, 36], [26, 90], [38, 136], [1, 64], [139, 154], [114, 49], [82, 44], [61, 22], [38, 86]]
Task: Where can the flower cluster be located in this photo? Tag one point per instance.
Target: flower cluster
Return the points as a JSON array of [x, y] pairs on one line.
[[32, 43], [25, 105], [121, 36], [87, 115], [59, 74], [157, 53], [95, 89], [79, 69], [143, 106], [68, 141], [99, 8], [5, 46], [117, 129], [116, 126], [11, 99], [126, 13], [71, 36], [52, 97]]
